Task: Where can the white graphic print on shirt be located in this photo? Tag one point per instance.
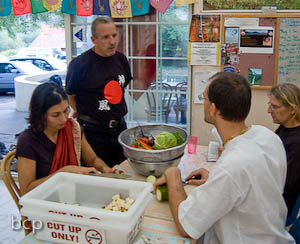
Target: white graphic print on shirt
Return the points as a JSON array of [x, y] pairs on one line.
[[103, 105]]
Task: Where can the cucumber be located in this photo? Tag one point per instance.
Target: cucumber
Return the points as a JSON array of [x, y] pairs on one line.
[[162, 193], [151, 179]]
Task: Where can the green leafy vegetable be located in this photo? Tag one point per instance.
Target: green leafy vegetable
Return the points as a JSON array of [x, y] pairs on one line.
[[178, 138], [164, 140]]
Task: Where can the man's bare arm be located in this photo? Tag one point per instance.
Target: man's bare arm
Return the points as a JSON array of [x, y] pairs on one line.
[[72, 102], [176, 193]]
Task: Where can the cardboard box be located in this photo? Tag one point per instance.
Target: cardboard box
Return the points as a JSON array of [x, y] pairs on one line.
[[62, 222]]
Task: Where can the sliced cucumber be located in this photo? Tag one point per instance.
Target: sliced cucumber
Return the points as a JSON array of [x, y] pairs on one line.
[[162, 193], [151, 179]]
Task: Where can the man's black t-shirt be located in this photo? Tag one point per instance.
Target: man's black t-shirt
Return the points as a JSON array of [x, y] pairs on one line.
[[291, 141], [98, 84]]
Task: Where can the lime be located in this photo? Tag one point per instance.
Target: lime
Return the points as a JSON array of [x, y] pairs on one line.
[[151, 179]]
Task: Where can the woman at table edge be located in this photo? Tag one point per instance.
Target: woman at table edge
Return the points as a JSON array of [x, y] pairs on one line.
[[284, 107], [53, 142]]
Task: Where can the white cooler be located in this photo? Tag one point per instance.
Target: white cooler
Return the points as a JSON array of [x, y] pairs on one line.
[[62, 222]]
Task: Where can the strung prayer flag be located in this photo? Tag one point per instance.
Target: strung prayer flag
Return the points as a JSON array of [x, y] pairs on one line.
[[183, 2], [52, 5], [120, 8], [68, 7], [84, 7], [161, 5], [101, 7], [139, 7], [37, 6], [21, 7], [5, 7]]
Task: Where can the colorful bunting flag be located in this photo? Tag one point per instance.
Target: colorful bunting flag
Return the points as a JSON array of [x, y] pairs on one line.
[[101, 7], [68, 7], [5, 7], [21, 7], [183, 2], [37, 6], [139, 7], [120, 8], [52, 5], [84, 7], [161, 5]]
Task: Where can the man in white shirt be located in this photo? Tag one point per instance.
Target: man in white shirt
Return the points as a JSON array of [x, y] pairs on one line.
[[240, 201]]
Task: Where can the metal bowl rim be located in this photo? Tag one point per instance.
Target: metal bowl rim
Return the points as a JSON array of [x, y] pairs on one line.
[[154, 151]]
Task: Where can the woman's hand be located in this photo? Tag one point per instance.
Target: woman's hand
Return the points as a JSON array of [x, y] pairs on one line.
[[111, 170], [79, 170], [198, 177]]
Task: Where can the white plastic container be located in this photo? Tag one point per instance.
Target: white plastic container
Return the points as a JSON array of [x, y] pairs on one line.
[[51, 202]]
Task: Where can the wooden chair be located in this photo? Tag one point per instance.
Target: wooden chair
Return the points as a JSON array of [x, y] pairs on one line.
[[10, 183], [181, 104], [159, 101]]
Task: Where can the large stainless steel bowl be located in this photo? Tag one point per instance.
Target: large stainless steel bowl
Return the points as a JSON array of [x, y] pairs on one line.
[[152, 168], [129, 136]]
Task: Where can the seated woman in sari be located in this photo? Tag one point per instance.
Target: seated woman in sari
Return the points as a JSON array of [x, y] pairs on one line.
[[53, 142]]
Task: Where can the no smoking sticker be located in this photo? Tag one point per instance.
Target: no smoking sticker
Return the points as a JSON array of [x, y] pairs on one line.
[[94, 237]]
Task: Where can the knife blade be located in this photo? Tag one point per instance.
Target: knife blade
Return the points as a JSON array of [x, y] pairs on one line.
[[111, 175]]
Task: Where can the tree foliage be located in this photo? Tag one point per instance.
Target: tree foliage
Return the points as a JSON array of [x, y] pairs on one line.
[[250, 4], [30, 22]]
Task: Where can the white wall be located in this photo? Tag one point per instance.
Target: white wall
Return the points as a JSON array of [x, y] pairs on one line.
[[258, 115]]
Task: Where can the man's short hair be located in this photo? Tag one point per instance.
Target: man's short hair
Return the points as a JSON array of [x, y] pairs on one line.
[[231, 93], [99, 20]]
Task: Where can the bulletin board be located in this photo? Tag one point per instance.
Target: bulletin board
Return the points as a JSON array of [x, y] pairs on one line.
[[289, 51], [282, 64]]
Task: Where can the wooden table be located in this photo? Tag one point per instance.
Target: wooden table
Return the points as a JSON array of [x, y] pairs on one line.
[[158, 220]]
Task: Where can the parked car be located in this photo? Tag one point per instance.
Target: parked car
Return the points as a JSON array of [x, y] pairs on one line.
[[45, 63], [39, 51], [11, 69]]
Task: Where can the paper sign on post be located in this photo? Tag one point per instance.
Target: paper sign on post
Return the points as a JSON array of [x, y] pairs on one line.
[[79, 34]]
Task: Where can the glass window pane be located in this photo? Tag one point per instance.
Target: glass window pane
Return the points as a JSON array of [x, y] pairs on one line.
[[144, 73], [121, 29], [175, 14], [137, 108], [142, 41], [169, 68], [173, 41], [159, 100]]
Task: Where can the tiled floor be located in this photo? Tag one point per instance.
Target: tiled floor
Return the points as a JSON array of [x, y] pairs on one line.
[[8, 210]]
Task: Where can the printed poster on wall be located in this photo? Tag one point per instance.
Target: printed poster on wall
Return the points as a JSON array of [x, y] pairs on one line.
[[204, 53], [201, 80], [205, 28]]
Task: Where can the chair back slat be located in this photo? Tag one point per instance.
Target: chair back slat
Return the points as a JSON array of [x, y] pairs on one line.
[[7, 177], [159, 100]]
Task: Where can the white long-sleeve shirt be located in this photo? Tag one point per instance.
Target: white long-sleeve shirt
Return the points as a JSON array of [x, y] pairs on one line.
[[241, 202]]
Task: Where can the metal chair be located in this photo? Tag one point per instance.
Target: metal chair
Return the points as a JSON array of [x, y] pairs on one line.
[[181, 104], [159, 99], [10, 183]]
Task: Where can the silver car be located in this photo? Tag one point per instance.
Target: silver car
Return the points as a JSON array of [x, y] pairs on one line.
[[11, 69]]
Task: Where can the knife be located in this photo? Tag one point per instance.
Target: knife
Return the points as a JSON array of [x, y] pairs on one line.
[[111, 175]]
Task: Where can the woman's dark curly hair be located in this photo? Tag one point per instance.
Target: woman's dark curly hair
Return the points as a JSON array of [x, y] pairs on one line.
[[44, 96]]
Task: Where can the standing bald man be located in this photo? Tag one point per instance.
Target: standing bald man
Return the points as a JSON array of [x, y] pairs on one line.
[[95, 84]]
